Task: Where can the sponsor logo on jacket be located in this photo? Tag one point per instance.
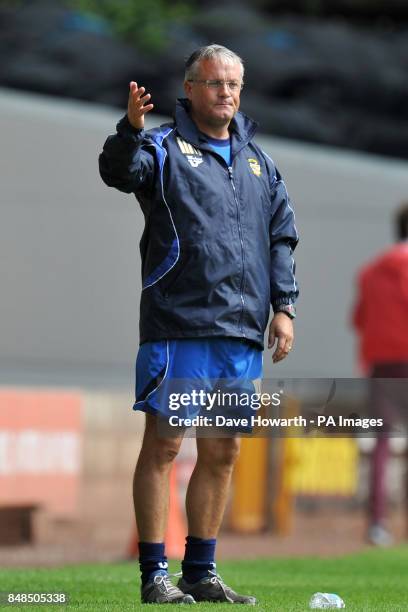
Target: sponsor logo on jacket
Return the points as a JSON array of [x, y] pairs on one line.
[[193, 155]]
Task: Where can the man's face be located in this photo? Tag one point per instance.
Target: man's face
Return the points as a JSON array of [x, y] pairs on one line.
[[214, 107]]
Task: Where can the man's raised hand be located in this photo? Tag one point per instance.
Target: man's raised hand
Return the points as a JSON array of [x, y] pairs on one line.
[[137, 107]]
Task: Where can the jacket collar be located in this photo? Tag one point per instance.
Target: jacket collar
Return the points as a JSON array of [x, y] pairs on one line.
[[242, 128]]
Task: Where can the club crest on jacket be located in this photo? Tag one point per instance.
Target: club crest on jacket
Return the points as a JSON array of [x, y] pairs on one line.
[[254, 165]]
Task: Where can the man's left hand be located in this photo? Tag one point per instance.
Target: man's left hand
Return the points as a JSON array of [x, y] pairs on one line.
[[280, 329]]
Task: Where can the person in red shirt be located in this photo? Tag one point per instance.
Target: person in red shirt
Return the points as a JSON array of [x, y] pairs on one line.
[[380, 318]]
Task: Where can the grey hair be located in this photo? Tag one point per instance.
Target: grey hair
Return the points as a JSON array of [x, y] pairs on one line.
[[210, 52]]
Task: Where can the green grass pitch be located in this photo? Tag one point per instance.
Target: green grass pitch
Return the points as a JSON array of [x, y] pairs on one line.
[[370, 581]]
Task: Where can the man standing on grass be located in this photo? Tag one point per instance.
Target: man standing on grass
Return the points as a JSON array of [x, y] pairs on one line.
[[380, 318], [216, 254]]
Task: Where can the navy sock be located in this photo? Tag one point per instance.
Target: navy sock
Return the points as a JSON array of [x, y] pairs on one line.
[[198, 558], [152, 560]]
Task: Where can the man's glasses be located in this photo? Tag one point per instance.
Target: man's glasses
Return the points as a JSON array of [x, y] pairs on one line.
[[215, 84]]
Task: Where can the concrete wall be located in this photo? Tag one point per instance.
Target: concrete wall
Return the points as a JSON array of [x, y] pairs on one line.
[[69, 259]]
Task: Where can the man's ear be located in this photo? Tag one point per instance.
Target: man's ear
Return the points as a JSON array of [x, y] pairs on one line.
[[188, 89]]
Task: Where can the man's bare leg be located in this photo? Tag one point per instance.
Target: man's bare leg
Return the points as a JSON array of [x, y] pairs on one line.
[[151, 500], [206, 499], [209, 485], [151, 482]]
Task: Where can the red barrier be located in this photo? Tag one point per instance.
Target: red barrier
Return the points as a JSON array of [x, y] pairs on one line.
[[40, 448]]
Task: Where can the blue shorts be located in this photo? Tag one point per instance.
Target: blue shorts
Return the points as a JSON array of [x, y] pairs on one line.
[[183, 366]]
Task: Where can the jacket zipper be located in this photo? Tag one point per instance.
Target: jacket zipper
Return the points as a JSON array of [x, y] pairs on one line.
[[231, 177]]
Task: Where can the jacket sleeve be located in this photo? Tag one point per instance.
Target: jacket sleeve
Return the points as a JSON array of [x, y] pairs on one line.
[[126, 161], [283, 239]]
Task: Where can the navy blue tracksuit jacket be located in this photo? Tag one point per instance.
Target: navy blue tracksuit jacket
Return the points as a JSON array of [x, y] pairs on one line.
[[218, 241]]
